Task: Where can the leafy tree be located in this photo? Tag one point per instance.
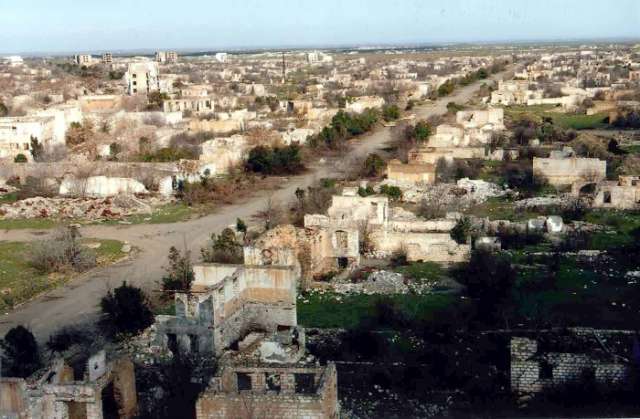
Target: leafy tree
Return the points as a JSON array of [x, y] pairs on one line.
[[422, 131], [20, 353], [364, 192], [4, 111], [20, 158], [390, 112], [222, 248], [393, 192], [489, 279], [446, 88], [275, 161], [179, 274], [125, 310]]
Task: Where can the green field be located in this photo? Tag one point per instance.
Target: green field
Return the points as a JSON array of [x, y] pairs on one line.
[[20, 282], [328, 310], [563, 120]]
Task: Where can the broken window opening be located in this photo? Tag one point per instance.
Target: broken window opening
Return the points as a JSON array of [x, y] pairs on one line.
[[273, 382], [244, 381], [304, 383], [545, 371]]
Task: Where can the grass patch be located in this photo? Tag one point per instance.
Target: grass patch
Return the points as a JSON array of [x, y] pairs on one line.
[[632, 149], [563, 120], [421, 271], [20, 282], [166, 214], [500, 208], [328, 310], [8, 198], [30, 223]]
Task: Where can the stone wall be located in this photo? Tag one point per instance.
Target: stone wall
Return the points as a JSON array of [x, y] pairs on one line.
[[415, 173], [432, 247], [569, 170], [224, 400], [533, 372]]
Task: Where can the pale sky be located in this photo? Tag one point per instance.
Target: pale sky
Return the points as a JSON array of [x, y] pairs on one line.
[[96, 25]]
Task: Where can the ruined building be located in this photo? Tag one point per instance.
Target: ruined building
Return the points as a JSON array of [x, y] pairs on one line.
[[225, 303], [142, 78], [564, 168], [555, 358], [107, 389], [623, 194], [246, 315]]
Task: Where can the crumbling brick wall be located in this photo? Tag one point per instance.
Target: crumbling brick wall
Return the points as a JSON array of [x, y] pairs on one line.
[[528, 367], [223, 400]]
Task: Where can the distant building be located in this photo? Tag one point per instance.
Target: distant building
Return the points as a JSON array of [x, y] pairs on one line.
[[142, 78], [107, 58], [221, 57], [167, 57], [13, 60], [83, 59]]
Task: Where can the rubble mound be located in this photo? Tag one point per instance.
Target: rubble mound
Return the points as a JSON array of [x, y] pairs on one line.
[[464, 193], [79, 208]]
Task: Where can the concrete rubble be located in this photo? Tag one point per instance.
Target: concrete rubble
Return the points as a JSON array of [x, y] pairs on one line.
[[80, 208]]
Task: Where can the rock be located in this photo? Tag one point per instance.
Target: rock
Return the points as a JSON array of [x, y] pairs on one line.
[[554, 224], [536, 224], [126, 248], [488, 243], [94, 245]]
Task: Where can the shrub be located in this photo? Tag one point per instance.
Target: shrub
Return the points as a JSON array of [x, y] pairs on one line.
[[421, 131], [20, 353], [125, 310], [179, 274], [275, 161], [364, 192], [169, 154], [393, 192], [64, 251], [66, 337], [20, 158], [222, 248], [390, 112]]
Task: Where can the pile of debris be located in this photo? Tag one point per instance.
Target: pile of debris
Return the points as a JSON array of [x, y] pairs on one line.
[[385, 282], [80, 208], [464, 193]]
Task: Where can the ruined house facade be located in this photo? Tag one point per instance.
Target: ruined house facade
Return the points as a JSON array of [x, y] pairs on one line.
[[271, 391], [142, 78], [225, 303], [107, 389], [559, 171], [554, 359], [623, 194]]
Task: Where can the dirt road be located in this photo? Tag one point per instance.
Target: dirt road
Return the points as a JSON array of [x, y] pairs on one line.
[[77, 302]]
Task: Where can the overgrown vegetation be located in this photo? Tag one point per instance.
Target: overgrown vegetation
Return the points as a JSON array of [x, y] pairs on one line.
[[125, 311]]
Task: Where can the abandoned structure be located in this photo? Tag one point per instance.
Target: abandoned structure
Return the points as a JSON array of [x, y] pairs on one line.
[[271, 390], [623, 194], [142, 78], [195, 104], [107, 389], [564, 168], [246, 314], [225, 303], [554, 359], [166, 56]]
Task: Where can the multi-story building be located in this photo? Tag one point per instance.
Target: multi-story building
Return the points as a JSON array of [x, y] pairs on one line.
[[142, 78], [167, 57]]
